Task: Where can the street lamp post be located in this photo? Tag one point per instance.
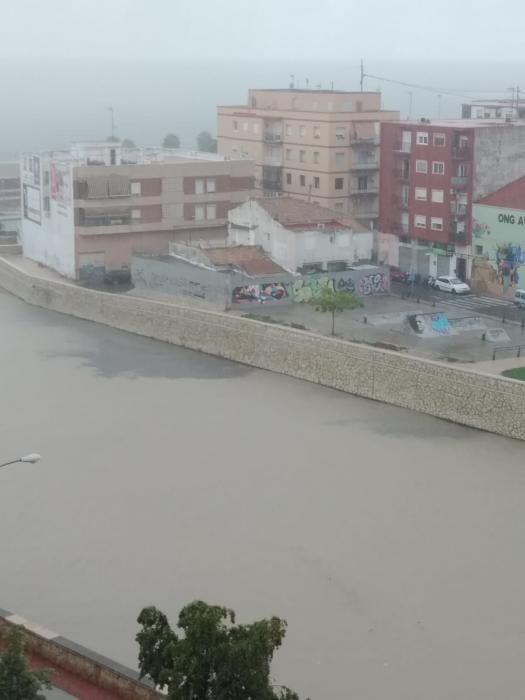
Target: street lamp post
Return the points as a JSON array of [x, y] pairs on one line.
[[32, 458]]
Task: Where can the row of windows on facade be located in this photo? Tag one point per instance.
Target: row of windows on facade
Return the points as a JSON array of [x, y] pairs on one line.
[[290, 130], [423, 139], [202, 212], [340, 157], [363, 182], [420, 221], [438, 168]]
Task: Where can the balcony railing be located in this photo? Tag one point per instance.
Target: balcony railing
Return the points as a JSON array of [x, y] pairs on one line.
[[368, 165], [462, 152], [459, 211], [272, 185], [270, 137], [459, 182], [364, 191], [364, 141]]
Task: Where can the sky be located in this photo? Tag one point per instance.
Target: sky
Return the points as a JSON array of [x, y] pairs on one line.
[[263, 29]]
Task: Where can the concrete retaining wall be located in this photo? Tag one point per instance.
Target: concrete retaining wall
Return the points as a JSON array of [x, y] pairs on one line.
[[482, 401]]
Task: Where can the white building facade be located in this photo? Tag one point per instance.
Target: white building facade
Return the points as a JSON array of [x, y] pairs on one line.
[[314, 241]]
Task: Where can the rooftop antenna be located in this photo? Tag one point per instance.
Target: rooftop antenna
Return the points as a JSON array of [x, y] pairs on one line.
[[307, 82], [292, 81], [362, 74], [332, 88], [439, 106], [410, 104]]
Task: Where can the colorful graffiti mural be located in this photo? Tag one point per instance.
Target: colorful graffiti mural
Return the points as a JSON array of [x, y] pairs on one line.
[[260, 293], [304, 289], [430, 325], [499, 237]]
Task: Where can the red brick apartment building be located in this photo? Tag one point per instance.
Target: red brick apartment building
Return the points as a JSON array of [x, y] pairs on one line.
[[431, 173]]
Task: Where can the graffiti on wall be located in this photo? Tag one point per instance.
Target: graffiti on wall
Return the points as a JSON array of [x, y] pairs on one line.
[[305, 289], [260, 293], [430, 325]]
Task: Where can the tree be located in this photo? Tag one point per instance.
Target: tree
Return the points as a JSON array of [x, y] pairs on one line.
[[213, 658], [171, 141], [17, 681], [206, 142], [332, 301], [129, 143]]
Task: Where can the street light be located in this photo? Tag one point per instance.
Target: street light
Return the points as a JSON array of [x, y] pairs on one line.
[[31, 458]]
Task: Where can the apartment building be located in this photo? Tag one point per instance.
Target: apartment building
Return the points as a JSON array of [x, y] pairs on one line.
[[321, 146], [494, 109], [86, 209], [10, 212], [431, 173]]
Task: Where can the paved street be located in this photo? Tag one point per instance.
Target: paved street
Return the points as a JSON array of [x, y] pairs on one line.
[[392, 542], [470, 303]]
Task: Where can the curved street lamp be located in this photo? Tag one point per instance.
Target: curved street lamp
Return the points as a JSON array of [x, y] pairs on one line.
[[31, 458]]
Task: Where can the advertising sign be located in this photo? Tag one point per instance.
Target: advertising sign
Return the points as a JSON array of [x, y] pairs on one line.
[[32, 205], [60, 183]]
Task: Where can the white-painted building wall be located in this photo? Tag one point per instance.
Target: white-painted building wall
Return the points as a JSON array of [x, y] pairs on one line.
[[251, 224], [48, 228]]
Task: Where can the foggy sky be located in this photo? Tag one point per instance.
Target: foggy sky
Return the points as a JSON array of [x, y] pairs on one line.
[[263, 29]]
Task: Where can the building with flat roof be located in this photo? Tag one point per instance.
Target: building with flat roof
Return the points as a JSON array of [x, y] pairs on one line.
[[321, 146], [513, 108], [431, 173], [86, 208]]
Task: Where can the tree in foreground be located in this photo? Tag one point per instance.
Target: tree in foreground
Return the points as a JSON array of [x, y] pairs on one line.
[[171, 141], [206, 143], [17, 681], [211, 657], [332, 302]]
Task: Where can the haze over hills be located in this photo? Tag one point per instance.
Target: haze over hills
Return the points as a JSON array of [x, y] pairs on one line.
[[51, 102]]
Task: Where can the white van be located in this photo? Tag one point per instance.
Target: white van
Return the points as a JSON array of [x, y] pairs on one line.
[[519, 297]]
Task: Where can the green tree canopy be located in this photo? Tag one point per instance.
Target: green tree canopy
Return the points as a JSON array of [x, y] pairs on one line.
[[128, 143], [17, 681], [210, 657], [206, 142], [171, 141], [333, 301]]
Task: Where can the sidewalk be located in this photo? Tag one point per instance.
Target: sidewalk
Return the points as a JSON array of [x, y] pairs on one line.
[[499, 366]]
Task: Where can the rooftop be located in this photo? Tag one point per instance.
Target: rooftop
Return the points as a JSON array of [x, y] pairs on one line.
[[298, 215], [511, 195], [461, 123], [249, 259]]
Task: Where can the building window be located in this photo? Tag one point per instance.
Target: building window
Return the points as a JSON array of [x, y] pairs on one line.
[[422, 138], [200, 212], [421, 194], [339, 206], [478, 250], [405, 169], [199, 185], [462, 170], [211, 211], [406, 141], [421, 166], [302, 131], [317, 132], [405, 193], [436, 223], [420, 221], [438, 196], [339, 160], [362, 182], [255, 128], [339, 183], [316, 157], [288, 154], [438, 167], [136, 214], [405, 222], [340, 133], [302, 156], [245, 126], [317, 182], [302, 180], [288, 178], [289, 130], [136, 188], [440, 140], [210, 184], [235, 125]]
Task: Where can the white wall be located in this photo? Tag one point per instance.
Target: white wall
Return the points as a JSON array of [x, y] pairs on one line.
[[250, 224], [52, 241]]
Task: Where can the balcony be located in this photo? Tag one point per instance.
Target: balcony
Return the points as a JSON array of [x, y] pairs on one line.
[[460, 183], [461, 152], [357, 191], [458, 211], [364, 141], [271, 137], [457, 233], [404, 148], [369, 165], [272, 179]]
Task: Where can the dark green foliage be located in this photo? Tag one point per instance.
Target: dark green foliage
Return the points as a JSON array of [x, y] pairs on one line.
[[17, 681]]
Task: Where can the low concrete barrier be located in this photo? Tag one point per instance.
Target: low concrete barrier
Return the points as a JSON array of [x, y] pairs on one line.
[[464, 396], [75, 669]]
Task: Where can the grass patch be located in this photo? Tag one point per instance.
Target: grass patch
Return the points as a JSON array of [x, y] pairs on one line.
[[516, 373]]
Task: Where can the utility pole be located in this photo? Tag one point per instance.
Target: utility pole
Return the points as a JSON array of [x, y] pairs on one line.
[[410, 104], [439, 106], [112, 123], [362, 74]]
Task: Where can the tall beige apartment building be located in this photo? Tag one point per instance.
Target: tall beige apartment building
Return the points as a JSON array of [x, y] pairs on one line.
[[317, 145]]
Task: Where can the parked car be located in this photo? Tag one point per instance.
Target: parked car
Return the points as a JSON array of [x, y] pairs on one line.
[[451, 284], [519, 298], [397, 275]]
